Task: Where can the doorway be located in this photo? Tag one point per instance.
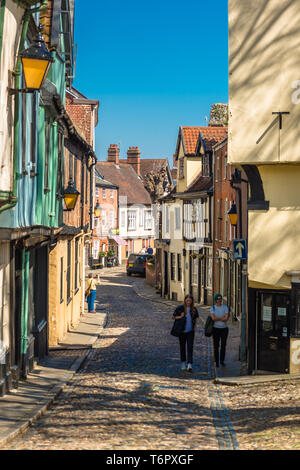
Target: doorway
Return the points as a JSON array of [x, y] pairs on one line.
[[273, 313]]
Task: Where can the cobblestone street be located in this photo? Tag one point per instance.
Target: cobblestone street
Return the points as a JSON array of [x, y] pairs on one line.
[[131, 394]]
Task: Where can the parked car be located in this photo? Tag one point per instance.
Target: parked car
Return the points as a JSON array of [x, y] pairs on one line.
[[136, 264]]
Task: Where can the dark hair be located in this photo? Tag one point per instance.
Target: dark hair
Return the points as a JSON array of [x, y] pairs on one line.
[[188, 296]]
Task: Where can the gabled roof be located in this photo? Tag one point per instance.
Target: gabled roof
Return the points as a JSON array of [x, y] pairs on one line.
[[189, 136], [210, 136], [192, 137], [129, 183]]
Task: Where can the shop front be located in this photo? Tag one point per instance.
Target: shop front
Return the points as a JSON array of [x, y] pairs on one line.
[[274, 330]]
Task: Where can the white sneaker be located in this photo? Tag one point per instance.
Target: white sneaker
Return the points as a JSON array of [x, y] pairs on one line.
[[183, 366], [189, 367]]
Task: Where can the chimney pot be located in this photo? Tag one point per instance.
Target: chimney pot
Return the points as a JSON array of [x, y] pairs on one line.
[[133, 159], [113, 154]]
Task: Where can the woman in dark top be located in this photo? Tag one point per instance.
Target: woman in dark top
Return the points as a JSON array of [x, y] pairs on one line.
[[186, 338]]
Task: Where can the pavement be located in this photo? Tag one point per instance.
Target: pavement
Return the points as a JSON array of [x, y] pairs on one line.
[[23, 406]]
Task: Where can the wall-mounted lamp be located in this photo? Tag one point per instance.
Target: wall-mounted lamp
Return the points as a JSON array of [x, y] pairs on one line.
[[232, 213], [97, 210], [36, 62], [70, 196]]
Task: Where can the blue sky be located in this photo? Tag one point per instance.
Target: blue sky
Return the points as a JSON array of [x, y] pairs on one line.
[[153, 65]]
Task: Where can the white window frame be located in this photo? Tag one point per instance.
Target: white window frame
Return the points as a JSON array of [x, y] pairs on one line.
[[131, 218], [111, 194], [104, 193], [147, 219]]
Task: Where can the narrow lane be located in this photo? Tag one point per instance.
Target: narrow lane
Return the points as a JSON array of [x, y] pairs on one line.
[[131, 393]]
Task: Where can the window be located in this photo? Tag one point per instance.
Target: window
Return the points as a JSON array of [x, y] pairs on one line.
[[61, 279], [131, 220], [147, 220], [181, 168], [172, 266], [103, 218], [225, 167], [47, 154], [24, 121], [76, 265], [104, 193], [69, 272], [59, 188], [111, 193], [86, 184], [179, 271], [33, 151], [111, 219], [225, 220], [177, 218], [97, 192]]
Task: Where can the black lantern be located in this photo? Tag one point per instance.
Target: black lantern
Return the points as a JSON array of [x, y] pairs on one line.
[[97, 210], [70, 196], [36, 62], [233, 214]]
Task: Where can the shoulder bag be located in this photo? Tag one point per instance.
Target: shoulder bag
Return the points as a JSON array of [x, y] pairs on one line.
[[178, 326], [208, 328]]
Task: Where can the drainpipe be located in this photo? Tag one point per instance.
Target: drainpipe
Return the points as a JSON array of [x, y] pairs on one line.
[[17, 74]]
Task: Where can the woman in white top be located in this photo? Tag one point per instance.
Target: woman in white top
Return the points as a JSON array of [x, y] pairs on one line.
[[220, 315]]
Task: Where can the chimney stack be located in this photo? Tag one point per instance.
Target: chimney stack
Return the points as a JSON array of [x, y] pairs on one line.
[[113, 154], [133, 158]]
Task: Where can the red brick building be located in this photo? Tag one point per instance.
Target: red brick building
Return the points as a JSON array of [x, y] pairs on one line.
[[227, 272]]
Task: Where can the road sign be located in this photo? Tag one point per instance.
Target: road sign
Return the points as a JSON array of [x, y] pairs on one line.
[[240, 248]]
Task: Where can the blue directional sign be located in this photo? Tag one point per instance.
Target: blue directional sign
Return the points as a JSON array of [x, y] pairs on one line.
[[239, 248]]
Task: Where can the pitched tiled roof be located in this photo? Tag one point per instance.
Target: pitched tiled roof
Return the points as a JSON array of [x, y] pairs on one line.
[[149, 164], [201, 183], [104, 183], [127, 180], [192, 136], [213, 135]]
